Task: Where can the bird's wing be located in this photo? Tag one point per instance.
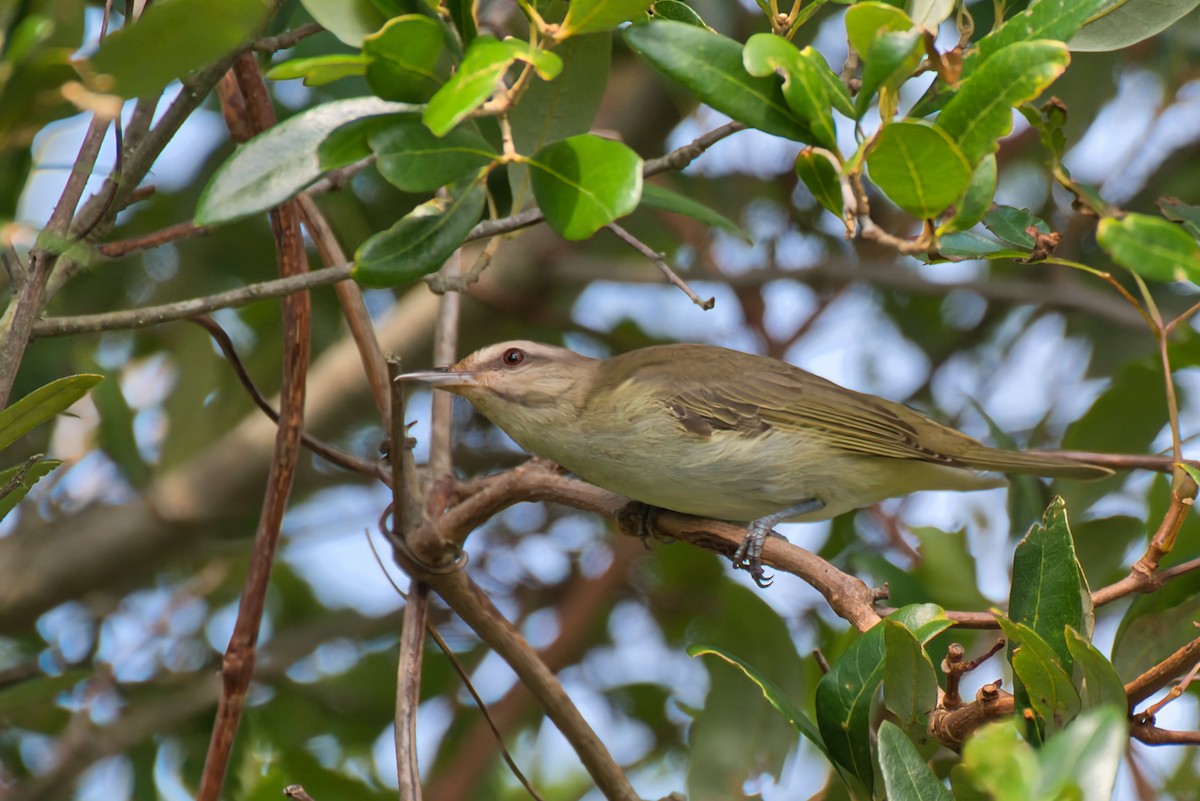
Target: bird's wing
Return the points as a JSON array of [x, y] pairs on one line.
[[764, 395]]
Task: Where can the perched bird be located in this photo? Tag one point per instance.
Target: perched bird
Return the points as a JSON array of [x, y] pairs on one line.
[[717, 433]]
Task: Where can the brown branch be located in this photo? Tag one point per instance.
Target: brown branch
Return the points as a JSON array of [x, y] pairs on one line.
[[445, 349], [408, 689], [238, 664], [154, 315], [951, 727], [172, 233], [660, 261], [1163, 673], [1144, 731], [269, 44]]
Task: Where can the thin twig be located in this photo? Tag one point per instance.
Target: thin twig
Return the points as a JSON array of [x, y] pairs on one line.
[[1162, 674], [661, 262], [270, 44], [172, 233], [445, 349], [408, 689]]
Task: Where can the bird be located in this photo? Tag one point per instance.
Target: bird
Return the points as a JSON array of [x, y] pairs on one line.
[[718, 433]]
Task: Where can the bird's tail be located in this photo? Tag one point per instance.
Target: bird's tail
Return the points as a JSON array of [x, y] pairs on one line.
[[1047, 463]]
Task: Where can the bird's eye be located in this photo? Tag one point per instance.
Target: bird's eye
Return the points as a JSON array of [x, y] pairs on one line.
[[512, 357]]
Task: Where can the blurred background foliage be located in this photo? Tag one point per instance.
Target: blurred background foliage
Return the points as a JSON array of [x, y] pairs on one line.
[[107, 679]]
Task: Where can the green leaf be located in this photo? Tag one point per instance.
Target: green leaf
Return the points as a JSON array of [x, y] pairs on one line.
[[406, 59], [348, 144], [1043, 19], [821, 178], [1151, 247], [553, 110], [1096, 678], [1126, 22], [845, 693], [843, 703], [585, 182], [1047, 585], [918, 167], [803, 89], [970, 245], [42, 405], [1045, 687], [482, 69], [770, 690], [591, 16], [349, 20], [890, 61], [929, 13], [981, 112], [115, 433], [710, 65], [910, 684], [421, 241], [906, 776], [1156, 625], [659, 197], [675, 11], [170, 39], [866, 21], [320, 70], [1010, 225], [22, 477], [997, 761], [280, 162], [1176, 210], [976, 201], [410, 157], [1082, 761]]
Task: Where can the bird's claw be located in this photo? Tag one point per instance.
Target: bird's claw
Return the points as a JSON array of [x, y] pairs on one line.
[[748, 555], [642, 520]]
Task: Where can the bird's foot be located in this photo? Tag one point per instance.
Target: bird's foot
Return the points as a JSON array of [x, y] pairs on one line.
[[641, 520], [748, 556]]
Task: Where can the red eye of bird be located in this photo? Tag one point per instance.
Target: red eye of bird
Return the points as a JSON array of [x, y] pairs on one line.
[[512, 357]]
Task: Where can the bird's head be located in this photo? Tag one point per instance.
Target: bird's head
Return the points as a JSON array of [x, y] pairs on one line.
[[518, 379]]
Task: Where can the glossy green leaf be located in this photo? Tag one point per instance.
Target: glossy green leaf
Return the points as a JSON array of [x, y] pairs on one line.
[[930, 13], [566, 106], [1176, 210], [281, 161], [1045, 687], [591, 16], [170, 39], [997, 761], [906, 776], [1095, 677], [981, 112], [15, 483], [413, 159], [1082, 761], [1057, 20], [1010, 225], [656, 196], [918, 167], [349, 20], [320, 70], [421, 241], [483, 67], [845, 693], [585, 182], [545, 63], [675, 11], [976, 201], [835, 90], [803, 89], [821, 178], [348, 144], [406, 59], [771, 691], [910, 684], [970, 245], [866, 21], [843, 704], [892, 58], [710, 65], [1151, 247], [1126, 22], [1047, 587], [42, 405]]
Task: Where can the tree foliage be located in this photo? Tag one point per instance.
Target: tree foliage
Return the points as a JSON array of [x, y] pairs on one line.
[[985, 210]]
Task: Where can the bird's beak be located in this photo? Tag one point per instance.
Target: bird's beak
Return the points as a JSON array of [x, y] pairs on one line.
[[444, 378]]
